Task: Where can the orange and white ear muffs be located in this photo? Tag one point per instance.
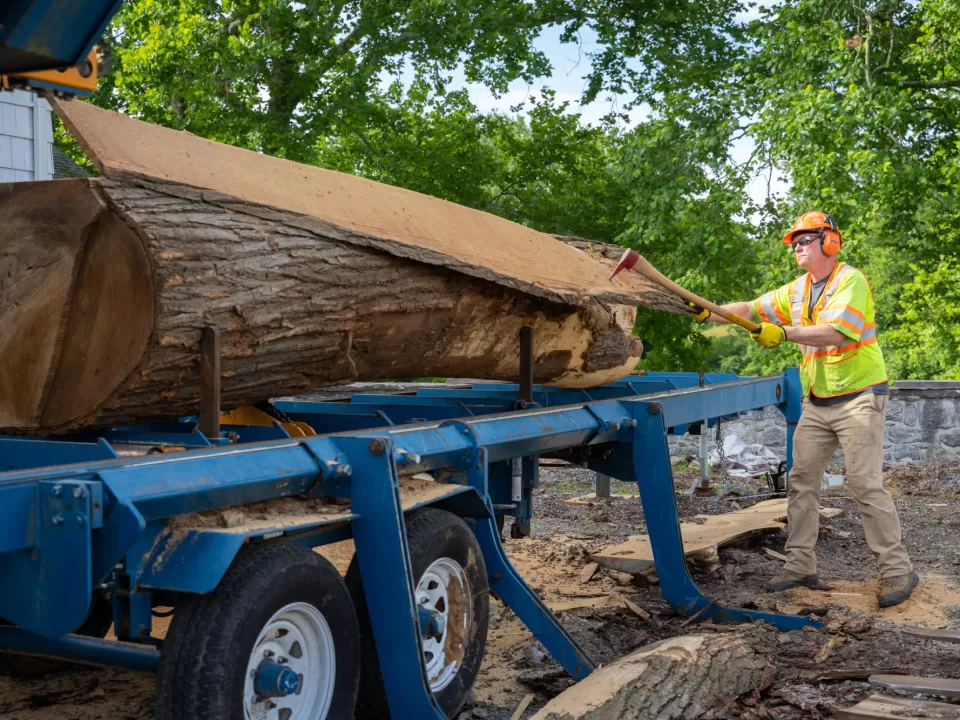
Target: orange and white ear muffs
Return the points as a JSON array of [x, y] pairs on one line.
[[820, 223], [830, 239]]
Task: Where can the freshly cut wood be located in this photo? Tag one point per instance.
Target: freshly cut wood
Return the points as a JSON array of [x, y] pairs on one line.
[[950, 636], [587, 573], [681, 677], [944, 687], [897, 708], [312, 277], [580, 602], [635, 556], [701, 540]]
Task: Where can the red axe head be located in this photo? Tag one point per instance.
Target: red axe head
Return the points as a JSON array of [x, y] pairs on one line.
[[627, 261]]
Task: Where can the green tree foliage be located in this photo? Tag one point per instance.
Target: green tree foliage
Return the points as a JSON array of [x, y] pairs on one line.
[[859, 103], [275, 75], [927, 342]]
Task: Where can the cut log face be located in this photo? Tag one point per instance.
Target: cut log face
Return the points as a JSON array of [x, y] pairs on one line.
[[76, 302], [681, 677], [106, 286]]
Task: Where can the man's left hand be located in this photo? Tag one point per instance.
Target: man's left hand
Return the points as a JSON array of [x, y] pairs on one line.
[[769, 335], [698, 313]]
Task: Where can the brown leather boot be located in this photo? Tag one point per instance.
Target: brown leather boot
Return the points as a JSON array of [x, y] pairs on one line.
[[787, 579], [894, 590]]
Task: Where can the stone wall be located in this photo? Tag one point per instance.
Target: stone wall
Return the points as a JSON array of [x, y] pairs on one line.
[[923, 425]]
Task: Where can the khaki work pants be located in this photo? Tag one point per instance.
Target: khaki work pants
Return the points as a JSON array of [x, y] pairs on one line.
[[857, 426]]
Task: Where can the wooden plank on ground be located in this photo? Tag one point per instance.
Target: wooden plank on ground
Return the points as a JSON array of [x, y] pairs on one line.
[[944, 687], [635, 556], [951, 636], [702, 539], [889, 707], [582, 602], [522, 707], [592, 499]]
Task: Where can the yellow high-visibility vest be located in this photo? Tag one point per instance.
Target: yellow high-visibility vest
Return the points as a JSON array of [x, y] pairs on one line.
[[847, 305]]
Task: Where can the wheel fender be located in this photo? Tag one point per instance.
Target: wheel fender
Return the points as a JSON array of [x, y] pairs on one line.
[[462, 500], [194, 561]]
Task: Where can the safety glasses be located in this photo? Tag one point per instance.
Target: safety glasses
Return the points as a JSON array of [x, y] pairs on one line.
[[803, 241]]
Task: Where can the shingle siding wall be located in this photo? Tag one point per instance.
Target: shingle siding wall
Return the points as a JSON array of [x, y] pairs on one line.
[[26, 137]]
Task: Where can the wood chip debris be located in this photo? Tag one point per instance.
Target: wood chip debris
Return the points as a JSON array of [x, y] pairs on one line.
[[588, 571]]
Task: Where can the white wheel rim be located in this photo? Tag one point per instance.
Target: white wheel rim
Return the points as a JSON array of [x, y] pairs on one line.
[[299, 637], [443, 588]]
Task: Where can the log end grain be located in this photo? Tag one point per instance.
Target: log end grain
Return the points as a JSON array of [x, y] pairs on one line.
[[76, 302]]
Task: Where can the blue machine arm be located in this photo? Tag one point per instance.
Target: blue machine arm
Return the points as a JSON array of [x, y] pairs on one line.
[[50, 34]]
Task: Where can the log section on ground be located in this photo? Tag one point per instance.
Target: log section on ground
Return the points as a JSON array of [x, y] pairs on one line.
[[312, 277], [680, 677]]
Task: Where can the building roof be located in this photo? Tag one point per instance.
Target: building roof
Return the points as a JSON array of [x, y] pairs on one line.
[[64, 167]]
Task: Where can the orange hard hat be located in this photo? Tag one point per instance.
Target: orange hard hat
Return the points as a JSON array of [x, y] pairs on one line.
[[815, 221]]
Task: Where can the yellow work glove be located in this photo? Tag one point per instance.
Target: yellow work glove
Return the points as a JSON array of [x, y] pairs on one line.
[[769, 335], [699, 314]]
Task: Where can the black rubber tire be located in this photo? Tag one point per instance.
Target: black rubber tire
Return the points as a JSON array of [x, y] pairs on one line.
[[204, 656], [431, 534]]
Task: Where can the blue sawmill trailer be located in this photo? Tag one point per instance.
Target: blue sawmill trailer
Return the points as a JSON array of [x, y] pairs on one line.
[[217, 521], [121, 526]]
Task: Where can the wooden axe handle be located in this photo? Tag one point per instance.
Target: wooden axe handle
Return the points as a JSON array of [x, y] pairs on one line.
[[643, 267]]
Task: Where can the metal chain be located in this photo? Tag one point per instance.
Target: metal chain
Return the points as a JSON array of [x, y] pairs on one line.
[[273, 411]]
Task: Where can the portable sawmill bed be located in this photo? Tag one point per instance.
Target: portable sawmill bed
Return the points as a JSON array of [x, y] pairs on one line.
[[122, 525]]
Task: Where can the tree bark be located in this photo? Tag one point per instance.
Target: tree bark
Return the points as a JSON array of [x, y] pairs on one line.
[[106, 286], [682, 677]]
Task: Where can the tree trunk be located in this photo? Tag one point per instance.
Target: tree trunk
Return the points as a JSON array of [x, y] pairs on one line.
[[106, 286], [312, 277], [682, 677]]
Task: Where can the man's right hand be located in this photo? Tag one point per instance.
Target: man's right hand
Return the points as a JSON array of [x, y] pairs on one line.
[[699, 314]]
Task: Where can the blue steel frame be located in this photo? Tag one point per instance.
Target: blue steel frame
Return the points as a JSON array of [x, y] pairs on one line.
[[55, 33], [66, 530]]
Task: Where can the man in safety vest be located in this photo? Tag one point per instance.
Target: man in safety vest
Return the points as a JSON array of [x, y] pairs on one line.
[[829, 313]]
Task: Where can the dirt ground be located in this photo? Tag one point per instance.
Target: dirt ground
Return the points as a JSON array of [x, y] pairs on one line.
[[857, 635]]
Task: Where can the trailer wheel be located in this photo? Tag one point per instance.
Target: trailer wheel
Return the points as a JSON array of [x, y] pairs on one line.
[[277, 640], [451, 585]]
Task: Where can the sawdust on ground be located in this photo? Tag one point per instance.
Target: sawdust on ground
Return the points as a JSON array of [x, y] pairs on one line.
[[552, 568], [925, 607]]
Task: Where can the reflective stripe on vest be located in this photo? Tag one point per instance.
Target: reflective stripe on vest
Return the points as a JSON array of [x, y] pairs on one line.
[[769, 312], [832, 286], [868, 337], [797, 301]]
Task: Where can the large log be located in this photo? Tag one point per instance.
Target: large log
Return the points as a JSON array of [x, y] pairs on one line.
[[107, 284], [678, 678]]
